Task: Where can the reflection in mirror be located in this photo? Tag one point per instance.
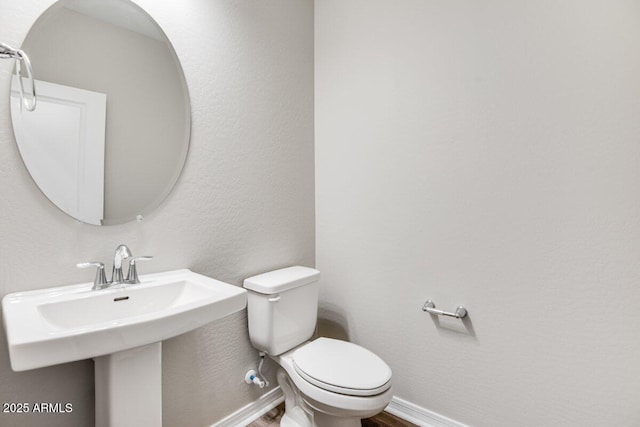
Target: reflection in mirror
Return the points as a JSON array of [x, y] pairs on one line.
[[110, 135]]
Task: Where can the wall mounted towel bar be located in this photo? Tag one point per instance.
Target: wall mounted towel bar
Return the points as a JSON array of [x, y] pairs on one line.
[[430, 308], [7, 52]]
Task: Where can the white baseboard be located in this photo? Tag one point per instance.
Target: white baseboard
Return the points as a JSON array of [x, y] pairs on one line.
[[254, 410], [418, 415]]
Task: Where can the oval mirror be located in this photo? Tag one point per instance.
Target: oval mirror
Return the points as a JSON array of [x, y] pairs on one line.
[[110, 132]]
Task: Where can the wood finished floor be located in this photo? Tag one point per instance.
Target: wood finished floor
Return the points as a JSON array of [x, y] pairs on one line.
[[384, 419]]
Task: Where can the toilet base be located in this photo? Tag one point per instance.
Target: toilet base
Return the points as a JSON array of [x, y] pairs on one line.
[[295, 417], [318, 420], [326, 420], [298, 413]]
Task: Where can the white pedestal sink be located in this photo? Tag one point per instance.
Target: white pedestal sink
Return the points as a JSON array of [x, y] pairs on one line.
[[121, 328]]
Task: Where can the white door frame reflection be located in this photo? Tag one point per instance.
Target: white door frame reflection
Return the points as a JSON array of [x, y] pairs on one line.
[[64, 140]]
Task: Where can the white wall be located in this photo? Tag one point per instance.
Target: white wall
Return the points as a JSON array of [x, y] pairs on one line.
[[485, 154], [243, 205]]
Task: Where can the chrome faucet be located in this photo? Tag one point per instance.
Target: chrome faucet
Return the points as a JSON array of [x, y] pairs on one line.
[[117, 277], [132, 275], [122, 253], [100, 281]]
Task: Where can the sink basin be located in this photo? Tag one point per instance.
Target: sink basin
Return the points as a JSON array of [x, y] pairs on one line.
[[57, 325]]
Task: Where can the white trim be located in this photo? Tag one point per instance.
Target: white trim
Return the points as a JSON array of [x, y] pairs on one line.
[[420, 416], [254, 410]]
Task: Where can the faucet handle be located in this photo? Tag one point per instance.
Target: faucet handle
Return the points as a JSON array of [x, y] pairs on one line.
[[132, 274], [100, 280]]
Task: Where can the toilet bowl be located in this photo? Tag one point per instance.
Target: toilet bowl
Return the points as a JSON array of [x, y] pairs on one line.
[[350, 384], [326, 382]]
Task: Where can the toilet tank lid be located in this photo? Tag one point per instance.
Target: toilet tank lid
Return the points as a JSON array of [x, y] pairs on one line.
[[282, 280]]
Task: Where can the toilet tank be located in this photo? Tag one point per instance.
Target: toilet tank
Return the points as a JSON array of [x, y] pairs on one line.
[[283, 308]]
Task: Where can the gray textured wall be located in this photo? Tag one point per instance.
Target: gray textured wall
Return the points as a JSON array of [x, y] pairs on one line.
[[244, 205], [487, 154]]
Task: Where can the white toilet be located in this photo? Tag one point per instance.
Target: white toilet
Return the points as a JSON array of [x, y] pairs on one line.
[[326, 382]]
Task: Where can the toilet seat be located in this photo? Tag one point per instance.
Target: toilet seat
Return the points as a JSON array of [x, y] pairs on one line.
[[342, 367]]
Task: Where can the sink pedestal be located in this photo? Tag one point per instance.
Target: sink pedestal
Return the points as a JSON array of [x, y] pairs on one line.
[[129, 387]]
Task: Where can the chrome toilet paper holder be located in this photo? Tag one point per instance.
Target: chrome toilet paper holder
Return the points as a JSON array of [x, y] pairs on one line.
[[430, 308]]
